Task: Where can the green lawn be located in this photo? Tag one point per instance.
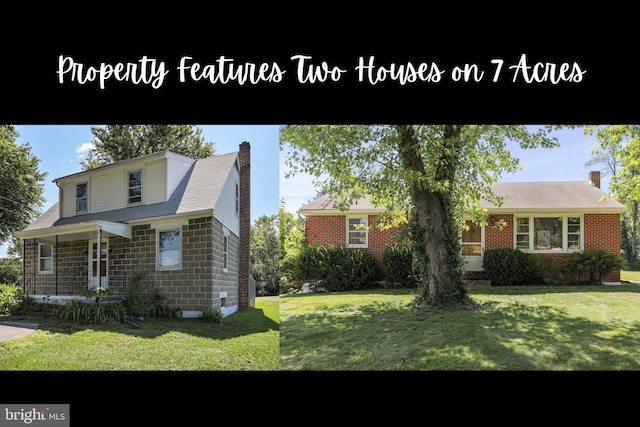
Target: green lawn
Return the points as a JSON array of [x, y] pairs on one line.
[[563, 328], [630, 275], [246, 340]]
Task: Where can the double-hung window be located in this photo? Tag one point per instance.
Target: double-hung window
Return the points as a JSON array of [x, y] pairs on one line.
[[225, 251], [169, 255], [45, 258], [134, 189], [82, 198], [357, 235], [555, 233]]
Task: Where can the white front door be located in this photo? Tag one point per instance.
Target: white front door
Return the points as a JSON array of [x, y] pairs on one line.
[[93, 264], [473, 247]]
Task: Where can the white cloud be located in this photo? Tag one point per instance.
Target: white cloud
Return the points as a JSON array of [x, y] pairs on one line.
[[85, 147]]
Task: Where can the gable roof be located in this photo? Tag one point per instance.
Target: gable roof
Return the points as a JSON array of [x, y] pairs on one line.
[[325, 204], [198, 192], [567, 195], [574, 196]]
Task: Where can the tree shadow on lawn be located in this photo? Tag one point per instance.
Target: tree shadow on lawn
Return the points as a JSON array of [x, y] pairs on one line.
[[546, 289], [242, 323], [499, 336]]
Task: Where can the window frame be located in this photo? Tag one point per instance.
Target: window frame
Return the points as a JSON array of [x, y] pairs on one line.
[[86, 198], [225, 250], [365, 231], [41, 258], [565, 232], [159, 231], [129, 187]]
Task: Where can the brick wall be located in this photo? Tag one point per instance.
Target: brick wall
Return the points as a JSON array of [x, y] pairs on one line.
[[244, 273], [194, 287], [499, 238], [601, 231], [330, 230]]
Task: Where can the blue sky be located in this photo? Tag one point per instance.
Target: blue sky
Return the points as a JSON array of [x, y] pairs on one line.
[[60, 149], [564, 163]]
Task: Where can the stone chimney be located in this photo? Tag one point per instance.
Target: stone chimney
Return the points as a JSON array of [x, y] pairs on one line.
[[594, 178], [244, 274]]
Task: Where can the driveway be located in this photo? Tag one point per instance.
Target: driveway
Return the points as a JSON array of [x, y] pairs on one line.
[[16, 329]]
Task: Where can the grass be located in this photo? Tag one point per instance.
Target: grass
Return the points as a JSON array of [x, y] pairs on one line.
[[245, 341], [630, 275], [564, 328]]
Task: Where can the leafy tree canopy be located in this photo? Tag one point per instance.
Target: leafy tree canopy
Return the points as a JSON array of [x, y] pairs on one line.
[[120, 142], [434, 175], [21, 184]]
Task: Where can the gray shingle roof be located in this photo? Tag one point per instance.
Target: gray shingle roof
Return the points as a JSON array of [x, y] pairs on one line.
[[198, 191], [517, 196], [552, 195], [326, 203]]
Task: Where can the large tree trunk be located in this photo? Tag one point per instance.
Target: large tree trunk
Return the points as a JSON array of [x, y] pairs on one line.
[[435, 232]]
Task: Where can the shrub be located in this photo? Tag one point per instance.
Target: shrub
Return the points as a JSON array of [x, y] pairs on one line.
[[510, 267], [143, 299], [595, 264], [11, 298], [212, 314], [397, 263], [335, 268]]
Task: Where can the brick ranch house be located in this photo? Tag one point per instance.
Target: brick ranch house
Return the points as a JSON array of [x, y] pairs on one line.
[[185, 223], [551, 219]]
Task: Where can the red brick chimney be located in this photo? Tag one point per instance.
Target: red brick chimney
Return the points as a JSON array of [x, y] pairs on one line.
[[594, 178], [244, 274]]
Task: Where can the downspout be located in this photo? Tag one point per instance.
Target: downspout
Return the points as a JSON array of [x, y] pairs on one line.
[[56, 264], [99, 255], [35, 263]]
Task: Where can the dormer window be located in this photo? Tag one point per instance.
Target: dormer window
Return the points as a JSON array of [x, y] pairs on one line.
[[81, 198], [135, 187]]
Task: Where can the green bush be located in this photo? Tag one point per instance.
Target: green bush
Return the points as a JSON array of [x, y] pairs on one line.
[[335, 268], [11, 297], [212, 314], [511, 267], [593, 264], [144, 300], [397, 263]]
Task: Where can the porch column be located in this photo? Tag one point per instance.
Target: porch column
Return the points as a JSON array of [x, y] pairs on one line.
[[99, 256], [56, 264]]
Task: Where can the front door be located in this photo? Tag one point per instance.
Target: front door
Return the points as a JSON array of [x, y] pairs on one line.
[[93, 264], [472, 247]]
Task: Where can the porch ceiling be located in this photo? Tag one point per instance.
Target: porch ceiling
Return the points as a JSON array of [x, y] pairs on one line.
[[82, 231]]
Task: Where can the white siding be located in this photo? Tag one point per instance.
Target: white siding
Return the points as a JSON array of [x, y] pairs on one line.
[[108, 187], [225, 209], [68, 199], [177, 167], [107, 191], [154, 183]]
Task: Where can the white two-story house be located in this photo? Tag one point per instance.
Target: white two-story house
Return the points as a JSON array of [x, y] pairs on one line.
[[184, 223]]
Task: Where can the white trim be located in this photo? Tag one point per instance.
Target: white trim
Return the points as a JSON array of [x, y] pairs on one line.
[[180, 249], [532, 216], [75, 199], [40, 245], [366, 231], [474, 262], [225, 250], [128, 187]]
